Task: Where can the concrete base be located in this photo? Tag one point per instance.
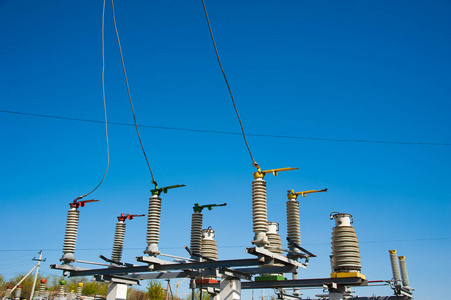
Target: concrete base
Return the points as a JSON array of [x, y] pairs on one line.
[[116, 291], [230, 289]]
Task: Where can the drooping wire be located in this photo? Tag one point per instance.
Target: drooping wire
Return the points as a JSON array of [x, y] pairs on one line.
[[227, 83], [104, 104], [129, 95]]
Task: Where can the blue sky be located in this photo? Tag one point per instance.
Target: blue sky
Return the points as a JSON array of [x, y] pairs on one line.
[[349, 70]]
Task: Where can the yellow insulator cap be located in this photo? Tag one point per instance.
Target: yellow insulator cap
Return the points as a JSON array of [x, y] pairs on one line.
[[401, 257], [80, 284], [392, 251]]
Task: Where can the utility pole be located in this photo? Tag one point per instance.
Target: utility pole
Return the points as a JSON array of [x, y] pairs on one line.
[[36, 274]]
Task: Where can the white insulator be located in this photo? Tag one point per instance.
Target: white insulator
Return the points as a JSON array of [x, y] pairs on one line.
[[196, 233], [61, 291], [118, 243], [79, 290], [18, 293], [259, 212], [345, 247], [209, 248], [275, 243], [153, 225], [293, 224], [42, 290], [404, 275], [70, 237], [395, 268]]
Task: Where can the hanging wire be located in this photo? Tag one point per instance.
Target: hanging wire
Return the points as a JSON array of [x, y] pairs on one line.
[[104, 103], [227, 83], [129, 96]]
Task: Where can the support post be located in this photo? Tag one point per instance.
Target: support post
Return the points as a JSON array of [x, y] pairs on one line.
[[230, 289], [116, 291]]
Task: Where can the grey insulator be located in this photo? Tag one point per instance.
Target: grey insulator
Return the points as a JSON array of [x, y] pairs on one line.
[[118, 243], [70, 237], [153, 225], [345, 247], [404, 275], [395, 268], [196, 233], [79, 290], [275, 243], [18, 293], [61, 291], [209, 248], [293, 225], [259, 212], [41, 290]]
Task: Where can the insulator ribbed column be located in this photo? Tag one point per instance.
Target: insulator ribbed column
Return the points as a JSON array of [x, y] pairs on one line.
[[70, 237], [293, 224], [345, 247], [259, 212], [18, 292], [118, 243], [404, 275], [196, 233], [8, 293], [42, 287], [79, 289], [153, 225], [275, 243], [395, 268], [209, 248]]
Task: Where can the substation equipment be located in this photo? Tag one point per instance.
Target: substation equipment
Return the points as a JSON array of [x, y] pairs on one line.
[[266, 268]]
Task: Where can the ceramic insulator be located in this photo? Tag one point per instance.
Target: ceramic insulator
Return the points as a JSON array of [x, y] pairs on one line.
[[118, 243], [18, 292], [70, 237], [61, 291], [395, 268], [196, 233], [259, 212], [153, 225], [41, 290], [275, 243], [209, 248], [345, 247], [293, 225], [404, 275]]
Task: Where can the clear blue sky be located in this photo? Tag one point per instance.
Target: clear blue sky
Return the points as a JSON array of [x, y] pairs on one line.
[[353, 70]]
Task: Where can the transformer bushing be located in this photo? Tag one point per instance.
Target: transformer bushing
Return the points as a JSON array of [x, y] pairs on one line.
[[209, 248], [275, 243], [345, 247]]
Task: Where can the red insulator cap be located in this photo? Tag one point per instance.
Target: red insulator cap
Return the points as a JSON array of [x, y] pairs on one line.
[[43, 280]]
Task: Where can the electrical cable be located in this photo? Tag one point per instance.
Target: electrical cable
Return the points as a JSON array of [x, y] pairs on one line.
[[227, 83], [104, 104], [225, 132], [129, 95]]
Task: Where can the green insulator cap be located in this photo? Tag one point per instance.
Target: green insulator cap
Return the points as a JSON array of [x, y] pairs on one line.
[[62, 282]]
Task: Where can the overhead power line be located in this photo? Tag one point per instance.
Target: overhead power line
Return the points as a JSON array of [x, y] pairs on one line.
[[226, 132], [238, 246]]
